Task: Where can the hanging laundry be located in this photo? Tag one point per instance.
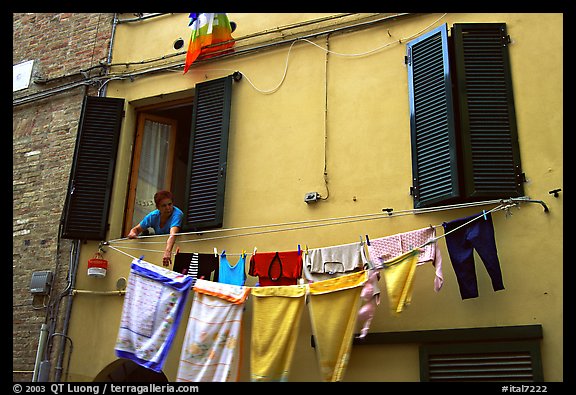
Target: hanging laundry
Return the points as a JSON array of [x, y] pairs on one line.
[[153, 304], [204, 266], [229, 274], [328, 262], [333, 309], [212, 345], [385, 248], [276, 268], [277, 311], [370, 296], [399, 276], [478, 235]]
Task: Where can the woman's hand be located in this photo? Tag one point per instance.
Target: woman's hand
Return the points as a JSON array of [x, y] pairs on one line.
[[167, 259]]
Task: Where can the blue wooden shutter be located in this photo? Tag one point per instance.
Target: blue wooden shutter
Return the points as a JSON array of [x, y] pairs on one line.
[[208, 155], [490, 151], [434, 154], [85, 215]]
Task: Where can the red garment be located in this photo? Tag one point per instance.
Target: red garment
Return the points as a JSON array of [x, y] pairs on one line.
[[276, 268]]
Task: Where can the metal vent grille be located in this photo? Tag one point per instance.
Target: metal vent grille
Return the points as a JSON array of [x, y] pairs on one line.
[[511, 360], [508, 366]]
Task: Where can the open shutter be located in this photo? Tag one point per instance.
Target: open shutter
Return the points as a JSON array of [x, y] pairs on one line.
[[491, 158], [434, 154], [208, 154], [90, 184]]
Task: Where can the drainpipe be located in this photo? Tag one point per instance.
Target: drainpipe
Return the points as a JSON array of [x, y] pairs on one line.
[[73, 270], [40, 351], [115, 22]]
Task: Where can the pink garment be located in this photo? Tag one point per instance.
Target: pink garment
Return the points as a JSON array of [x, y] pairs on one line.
[[386, 248], [370, 295]]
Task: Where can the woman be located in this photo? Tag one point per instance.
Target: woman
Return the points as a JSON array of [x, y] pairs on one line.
[[166, 219]]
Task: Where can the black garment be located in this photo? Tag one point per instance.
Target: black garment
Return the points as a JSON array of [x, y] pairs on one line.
[[204, 266]]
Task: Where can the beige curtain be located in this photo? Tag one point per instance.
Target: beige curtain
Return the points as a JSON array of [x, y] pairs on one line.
[[152, 169]]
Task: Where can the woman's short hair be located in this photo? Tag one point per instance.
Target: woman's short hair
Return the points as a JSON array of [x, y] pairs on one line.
[[161, 195]]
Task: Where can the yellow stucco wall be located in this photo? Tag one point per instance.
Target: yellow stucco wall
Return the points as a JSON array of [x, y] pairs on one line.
[[353, 111]]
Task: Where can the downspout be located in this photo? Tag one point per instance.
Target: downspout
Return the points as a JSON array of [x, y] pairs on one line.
[[109, 58], [74, 259], [40, 351]]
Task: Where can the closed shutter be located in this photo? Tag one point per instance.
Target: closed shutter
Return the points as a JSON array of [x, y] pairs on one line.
[[491, 158], [90, 184], [434, 154], [506, 361], [208, 155]]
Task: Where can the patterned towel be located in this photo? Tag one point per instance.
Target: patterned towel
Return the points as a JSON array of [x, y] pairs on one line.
[[389, 247], [152, 309], [275, 322], [211, 349], [333, 309]]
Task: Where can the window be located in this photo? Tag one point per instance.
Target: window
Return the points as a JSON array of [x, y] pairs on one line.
[[184, 153], [152, 164], [462, 116]]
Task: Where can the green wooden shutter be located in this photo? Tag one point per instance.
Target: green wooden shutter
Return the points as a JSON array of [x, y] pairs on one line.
[[208, 155], [434, 154], [85, 215], [490, 151]]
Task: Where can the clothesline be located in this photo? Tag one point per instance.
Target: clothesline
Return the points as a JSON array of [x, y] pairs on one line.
[[387, 213], [502, 206]]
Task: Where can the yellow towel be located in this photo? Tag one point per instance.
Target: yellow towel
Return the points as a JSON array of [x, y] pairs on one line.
[[275, 325], [333, 309], [399, 276]]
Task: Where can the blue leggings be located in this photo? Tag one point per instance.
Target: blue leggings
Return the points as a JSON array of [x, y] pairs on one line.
[[477, 235]]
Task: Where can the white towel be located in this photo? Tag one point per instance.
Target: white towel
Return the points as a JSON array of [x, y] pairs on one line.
[[211, 349]]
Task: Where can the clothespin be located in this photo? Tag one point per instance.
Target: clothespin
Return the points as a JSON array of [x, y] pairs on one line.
[[223, 253], [100, 247], [140, 259], [215, 252], [367, 240], [254, 252], [299, 250], [484, 214], [244, 253]]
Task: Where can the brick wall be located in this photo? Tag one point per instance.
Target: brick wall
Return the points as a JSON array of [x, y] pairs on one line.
[[44, 135]]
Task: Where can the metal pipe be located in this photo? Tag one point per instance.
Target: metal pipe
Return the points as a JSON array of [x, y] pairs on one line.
[[115, 22], [40, 350], [73, 270], [528, 200], [141, 17], [89, 292]]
